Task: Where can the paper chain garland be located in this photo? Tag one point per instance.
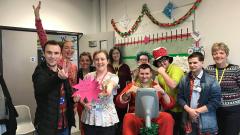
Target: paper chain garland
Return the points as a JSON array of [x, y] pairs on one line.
[[145, 11]]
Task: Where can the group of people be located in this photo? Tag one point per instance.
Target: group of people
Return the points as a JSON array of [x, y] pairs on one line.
[[203, 101], [200, 102]]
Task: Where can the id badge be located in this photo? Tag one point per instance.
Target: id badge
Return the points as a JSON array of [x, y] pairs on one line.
[[62, 100], [198, 89]]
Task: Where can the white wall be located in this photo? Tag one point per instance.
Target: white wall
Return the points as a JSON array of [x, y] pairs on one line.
[[217, 21], [109, 36], [62, 15]]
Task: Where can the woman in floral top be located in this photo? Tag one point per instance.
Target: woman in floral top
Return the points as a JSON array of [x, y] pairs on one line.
[[99, 118]]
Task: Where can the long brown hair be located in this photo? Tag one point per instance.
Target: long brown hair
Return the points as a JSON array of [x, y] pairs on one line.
[[88, 55], [111, 53]]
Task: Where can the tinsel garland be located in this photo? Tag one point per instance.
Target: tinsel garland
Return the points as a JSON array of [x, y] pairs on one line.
[[146, 11], [153, 130]]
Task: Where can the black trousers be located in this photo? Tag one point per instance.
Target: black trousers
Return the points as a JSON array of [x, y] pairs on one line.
[[178, 128], [9, 130], [195, 130], [97, 130], [121, 113], [228, 119]]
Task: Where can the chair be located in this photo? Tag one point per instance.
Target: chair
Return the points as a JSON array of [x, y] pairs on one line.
[[24, 120]]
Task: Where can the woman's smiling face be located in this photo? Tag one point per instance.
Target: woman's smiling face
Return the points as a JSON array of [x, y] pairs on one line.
[[219, 56], [100, 61]]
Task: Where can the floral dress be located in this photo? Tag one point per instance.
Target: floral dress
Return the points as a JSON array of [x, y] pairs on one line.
[[103, 113]]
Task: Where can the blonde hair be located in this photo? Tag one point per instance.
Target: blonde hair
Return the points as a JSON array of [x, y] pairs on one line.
[[220, 46]]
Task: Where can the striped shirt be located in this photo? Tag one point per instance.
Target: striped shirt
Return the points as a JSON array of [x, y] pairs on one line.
[[230, 83]]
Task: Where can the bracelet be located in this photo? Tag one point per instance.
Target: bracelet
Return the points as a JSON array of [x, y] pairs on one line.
[[125, 97], [164, 93]]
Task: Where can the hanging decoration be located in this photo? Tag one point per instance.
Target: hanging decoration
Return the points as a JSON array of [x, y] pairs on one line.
[[145, 11], [196, 48], [168, 10], [124, 21], [159, 37], [196, 35], [129, 32]]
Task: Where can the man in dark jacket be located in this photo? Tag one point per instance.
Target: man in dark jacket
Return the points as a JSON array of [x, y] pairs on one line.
[[54, 114], [200, 96], [8, 113]]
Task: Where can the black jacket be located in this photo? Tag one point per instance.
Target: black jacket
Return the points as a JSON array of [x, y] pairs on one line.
[[11, 123], [47, 87]]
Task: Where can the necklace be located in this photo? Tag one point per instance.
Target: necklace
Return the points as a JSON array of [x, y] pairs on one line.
[[100, 81]]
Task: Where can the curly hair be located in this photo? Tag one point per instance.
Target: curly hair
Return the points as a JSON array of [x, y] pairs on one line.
[[139, 54]]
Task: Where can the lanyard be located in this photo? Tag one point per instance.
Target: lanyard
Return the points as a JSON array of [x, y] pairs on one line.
[[221, 75], [116, 69], [100, 82]]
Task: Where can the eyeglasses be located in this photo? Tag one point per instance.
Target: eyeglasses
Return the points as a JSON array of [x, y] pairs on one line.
[[143, 60], [163, 59]]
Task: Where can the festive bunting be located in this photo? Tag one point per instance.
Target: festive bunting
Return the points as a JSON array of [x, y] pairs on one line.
[[146, 11]]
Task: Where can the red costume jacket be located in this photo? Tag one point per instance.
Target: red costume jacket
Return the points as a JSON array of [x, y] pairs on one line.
[[132, 100], [132, 123]]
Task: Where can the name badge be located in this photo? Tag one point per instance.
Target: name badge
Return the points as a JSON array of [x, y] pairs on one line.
[[198, 89], [62, 100]]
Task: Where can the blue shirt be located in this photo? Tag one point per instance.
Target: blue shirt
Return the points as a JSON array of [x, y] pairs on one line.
[[2, 128], [196, 91]]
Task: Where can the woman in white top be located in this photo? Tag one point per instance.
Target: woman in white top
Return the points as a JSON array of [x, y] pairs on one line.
[[99, 118]]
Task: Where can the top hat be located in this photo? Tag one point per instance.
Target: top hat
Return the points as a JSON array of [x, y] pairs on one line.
[[160, 53]]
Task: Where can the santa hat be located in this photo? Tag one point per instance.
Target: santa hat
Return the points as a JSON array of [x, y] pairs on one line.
[[160, 53]]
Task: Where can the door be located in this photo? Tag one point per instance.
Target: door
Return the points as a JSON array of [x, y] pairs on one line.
[[19, 55]]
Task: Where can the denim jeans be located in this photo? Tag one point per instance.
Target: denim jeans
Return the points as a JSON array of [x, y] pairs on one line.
[[64, 131]]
